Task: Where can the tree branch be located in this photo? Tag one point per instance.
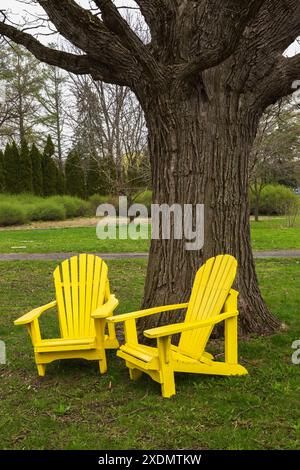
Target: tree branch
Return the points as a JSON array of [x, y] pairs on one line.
[[154, 10], [115, 23], [264, 74], [214, 45], [89, 33], [74, 63], [284, 80]]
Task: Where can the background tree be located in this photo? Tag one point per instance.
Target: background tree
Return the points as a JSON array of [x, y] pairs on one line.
[[275, 153], [11, 168], [49, 169], [108, 176], [24, 78], [37, 171], [2, 174], [60, 181], [106, 120], [52, 100], [25, 168], [93, 183], [6, 105], [75, 184], [204, 79]]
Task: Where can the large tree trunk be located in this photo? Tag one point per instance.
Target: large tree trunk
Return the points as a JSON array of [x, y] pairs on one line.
[[199, 151]]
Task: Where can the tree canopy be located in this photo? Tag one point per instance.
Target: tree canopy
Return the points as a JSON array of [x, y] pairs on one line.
[[109, 49]]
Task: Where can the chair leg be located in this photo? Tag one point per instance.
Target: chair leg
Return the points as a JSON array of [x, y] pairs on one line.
[[168, 385], [103, 365], [135, 374], [41, 369], [166, 368], [231, 341]]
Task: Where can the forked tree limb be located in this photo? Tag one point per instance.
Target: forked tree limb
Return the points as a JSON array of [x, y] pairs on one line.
[[284, 80], [115, 23], [90, 34], [74, 63], [212, 46]]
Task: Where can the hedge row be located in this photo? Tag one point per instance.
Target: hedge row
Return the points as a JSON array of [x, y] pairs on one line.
[[24, 208]]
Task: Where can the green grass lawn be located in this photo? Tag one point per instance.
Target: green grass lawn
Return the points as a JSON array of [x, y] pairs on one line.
[[273, 234], [74, 407], [81, 239], [269, 234]]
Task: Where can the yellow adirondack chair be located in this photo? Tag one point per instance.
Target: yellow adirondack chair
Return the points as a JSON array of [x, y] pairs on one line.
[[212, 301], [84, 302]]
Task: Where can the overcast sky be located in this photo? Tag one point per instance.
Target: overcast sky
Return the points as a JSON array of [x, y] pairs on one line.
[[19, 10]]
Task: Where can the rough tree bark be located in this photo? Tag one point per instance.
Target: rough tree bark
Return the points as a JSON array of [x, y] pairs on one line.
[[211, 69], [199, 151]]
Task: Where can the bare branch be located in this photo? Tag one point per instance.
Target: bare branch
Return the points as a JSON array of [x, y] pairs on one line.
[[71, 62]]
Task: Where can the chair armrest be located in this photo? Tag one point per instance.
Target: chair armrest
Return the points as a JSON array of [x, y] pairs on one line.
[[170, 330], [34, 314], [106, 309], [144, 313]]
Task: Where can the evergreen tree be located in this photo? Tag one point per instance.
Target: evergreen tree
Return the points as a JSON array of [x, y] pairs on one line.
[[2, 176], [11, 168], [93, 181], [49, 169], [60, 182], [74, 175], [37, 170], [25, 168]]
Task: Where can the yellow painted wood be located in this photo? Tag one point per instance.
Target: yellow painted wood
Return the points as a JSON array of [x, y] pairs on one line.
[[100, 343], [231, 327], [82, 286], [110, 326], [130, 331], [212, 301], [67, 296], [75, 294], [166, 366], [84, 303], [211, 292], [34, 314], [88, 292], [95, 292], [170, 330], [106, 309], [147, 312], [60, 303]]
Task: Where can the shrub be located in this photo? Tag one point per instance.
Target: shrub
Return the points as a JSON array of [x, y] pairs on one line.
[[74, 206], [12, 214], [96, 199], [46, 210], [31, 207], [275, 200]]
